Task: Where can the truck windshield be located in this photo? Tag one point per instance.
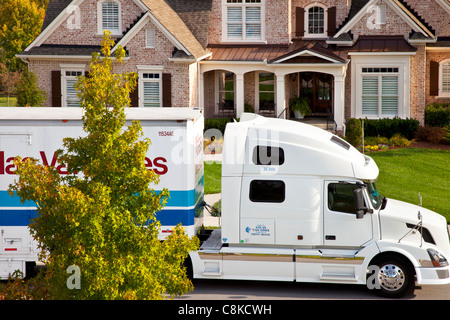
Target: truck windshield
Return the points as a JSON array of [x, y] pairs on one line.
[[374, 195]]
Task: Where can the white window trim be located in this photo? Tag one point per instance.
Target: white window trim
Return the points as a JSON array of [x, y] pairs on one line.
[[64, 68], [325, 21], [380, 61], [442, 94], [225, 5], [100, 18], [149, 69]]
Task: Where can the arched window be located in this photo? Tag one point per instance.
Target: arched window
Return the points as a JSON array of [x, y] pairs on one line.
[[109, 17], [316, 20]]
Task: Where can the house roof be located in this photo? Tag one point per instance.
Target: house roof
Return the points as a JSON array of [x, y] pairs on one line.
[[63, 50], [300, 51], [162, 13], [168, 18], [383, 44], [54, 8], [196, 15]]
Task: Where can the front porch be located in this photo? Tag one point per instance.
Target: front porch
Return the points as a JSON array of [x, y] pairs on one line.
[[229, 87]]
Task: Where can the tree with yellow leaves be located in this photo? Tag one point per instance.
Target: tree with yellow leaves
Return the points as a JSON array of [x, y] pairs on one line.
[[101, 223]]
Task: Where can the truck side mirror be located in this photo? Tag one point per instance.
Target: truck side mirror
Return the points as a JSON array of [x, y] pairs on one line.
[[358, 198]]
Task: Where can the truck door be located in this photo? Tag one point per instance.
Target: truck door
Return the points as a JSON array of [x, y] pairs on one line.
[[341, 228]]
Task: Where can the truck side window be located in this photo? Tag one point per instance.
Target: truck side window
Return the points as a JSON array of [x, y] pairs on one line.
[[267, 191], [340, 197], [267, 155]]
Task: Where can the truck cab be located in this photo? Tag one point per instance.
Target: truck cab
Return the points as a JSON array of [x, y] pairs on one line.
[[301, 204]]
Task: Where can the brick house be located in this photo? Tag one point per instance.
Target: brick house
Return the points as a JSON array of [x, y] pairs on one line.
[[350, 58]]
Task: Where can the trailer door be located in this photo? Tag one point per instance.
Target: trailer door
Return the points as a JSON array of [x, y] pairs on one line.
[[341, 228]]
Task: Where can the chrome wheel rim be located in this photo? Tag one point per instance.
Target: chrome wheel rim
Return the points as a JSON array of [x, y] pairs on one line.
[[391, 277]]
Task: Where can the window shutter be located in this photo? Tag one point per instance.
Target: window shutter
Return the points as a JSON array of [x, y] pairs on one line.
[[370, 95], [167, 89], [434, 78], [56, 89], [134, 96], [299, 22], [331, 21]]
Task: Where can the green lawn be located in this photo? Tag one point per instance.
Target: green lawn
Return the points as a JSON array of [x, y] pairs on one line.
[[403, 174], [12, 101], [213, 174], [406, 172]]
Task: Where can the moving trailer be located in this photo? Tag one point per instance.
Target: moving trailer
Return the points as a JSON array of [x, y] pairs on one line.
[[301, 204], [175, 154]]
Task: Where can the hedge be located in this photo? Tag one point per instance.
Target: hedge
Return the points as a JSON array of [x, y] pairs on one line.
[[389, 127], [437, 115]]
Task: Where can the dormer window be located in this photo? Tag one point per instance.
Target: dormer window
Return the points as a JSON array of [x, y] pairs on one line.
[[243, 20], [109, 17], [315, 18]]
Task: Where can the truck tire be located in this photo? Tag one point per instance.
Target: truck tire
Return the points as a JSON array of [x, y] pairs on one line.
[[394, 277]]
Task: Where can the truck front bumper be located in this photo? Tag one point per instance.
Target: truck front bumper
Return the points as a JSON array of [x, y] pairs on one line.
[[433, 275]]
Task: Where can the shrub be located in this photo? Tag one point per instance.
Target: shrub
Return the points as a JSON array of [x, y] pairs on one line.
[[389, 127], [437, 115], [431, 134], [353, 132], [28, 92], [217, 123], [397, 140]]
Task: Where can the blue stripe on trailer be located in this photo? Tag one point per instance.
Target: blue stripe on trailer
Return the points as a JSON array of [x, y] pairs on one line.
[[167, 217], [177, 198]]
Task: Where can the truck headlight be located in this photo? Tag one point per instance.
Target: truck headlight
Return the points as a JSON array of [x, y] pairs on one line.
[[437, 258]]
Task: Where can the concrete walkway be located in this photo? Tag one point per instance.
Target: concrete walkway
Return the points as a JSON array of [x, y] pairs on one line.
[[208, 219]]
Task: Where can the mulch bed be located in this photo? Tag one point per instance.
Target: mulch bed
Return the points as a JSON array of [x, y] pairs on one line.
[[427, 145]]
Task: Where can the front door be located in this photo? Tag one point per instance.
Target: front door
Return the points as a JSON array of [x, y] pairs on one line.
[[318, 88], [341, 228]]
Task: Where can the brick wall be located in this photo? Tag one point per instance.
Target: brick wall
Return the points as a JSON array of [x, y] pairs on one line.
[[394, 24], [434, 14], [87, 33]]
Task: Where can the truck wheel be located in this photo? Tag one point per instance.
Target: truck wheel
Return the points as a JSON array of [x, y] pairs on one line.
[[394, 277]]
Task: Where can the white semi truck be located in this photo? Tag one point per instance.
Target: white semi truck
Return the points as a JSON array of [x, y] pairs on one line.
[[298, 203], [301, 204]]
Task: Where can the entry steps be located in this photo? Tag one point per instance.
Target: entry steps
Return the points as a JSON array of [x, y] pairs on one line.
[[214, 242]]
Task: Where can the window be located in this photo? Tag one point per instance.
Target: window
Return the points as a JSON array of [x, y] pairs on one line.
[[380, 92], [316, 17], [151, 89], [266, 156], [150, 37], [266, 89], [444, 88], [267, 191], [340, 197], [69, 78], [243, 20], [109, 17], [226, 88]]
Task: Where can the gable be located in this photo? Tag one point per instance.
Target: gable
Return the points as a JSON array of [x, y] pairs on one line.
[[310, 53], [384, 17], [75, 23]]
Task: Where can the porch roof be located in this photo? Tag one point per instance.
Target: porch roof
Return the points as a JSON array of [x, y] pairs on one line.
[[376, 44], [273, 53]]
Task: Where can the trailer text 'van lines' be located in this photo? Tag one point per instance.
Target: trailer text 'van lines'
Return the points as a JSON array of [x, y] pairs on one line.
[[298, 203]]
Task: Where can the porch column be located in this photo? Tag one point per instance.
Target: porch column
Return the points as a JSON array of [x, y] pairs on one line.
[[339, 101], [239, 91], [281, 95], [201, 90]]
